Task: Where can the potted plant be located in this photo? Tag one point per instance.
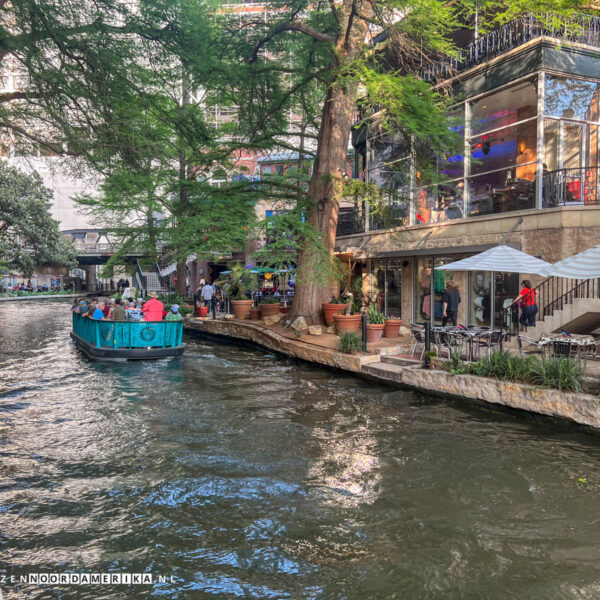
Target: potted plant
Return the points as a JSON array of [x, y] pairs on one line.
[[268, 306], [392, 327], [254, 314], [344, 322], [239, 281], [375, 323], [337, 306], [201, 311]]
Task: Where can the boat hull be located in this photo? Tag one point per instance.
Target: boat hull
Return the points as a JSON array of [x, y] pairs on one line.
[[122, 354]]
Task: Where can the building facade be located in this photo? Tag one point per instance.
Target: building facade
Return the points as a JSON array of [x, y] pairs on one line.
[[526, 172]]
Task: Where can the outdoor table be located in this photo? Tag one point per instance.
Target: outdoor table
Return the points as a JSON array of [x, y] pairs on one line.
[[585, 343]]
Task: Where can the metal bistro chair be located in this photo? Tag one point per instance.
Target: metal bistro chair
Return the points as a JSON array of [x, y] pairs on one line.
[[566, 349], [416, 332], [490, 340], [452, 341]]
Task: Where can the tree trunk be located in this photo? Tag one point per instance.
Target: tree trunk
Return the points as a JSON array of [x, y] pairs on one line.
[[181, 273], [326, 181]]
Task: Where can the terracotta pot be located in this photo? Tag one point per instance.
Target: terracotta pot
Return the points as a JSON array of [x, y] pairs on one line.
[[254, 314], [284, 309], [241, 308], [391, 328], [331, 309], [201, 311], [374, 332], [347, 322], [267, 310]]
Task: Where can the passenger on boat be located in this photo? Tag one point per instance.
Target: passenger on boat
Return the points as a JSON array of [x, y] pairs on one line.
[[76, 307], [174, 314], [98, 314], [92, 308], [83, 308], [107, 308], [153, 309], [118, 312]]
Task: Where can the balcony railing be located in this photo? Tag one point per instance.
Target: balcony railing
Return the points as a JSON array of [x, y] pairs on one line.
[[350, 222], [571, 186], [584, 29]]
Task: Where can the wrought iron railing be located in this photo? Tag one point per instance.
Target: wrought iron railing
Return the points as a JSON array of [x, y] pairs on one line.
[[389, 216], [571, 186], [554, 294], [350, 222], [584, 29]]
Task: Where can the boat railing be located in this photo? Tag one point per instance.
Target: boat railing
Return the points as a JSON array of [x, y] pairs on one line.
[[128, 334]]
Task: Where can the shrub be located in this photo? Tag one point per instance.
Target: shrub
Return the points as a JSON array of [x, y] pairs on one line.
[[374, 315], [504, 366], [339, 300], [269, 300], [560, 373], [349, 342]]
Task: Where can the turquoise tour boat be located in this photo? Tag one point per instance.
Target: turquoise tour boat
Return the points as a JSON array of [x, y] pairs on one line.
[[127, 340]]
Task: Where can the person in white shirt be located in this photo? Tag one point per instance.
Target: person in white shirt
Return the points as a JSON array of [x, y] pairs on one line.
[[207, 294]]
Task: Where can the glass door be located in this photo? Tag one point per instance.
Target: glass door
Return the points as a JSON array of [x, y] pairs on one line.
[[393, 292]]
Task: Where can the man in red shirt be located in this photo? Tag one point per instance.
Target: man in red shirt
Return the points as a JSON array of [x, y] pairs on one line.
[[153, 309]]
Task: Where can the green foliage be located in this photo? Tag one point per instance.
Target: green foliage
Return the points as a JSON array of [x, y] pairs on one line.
[[239, 281], [29, 236], [23, 293], [374, 315], [339, 300], [560, 373], [457, 366], [505, 366], [269, 300], [349, 342]]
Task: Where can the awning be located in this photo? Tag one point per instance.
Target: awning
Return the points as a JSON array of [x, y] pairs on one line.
[[585, 265], [500, 258]]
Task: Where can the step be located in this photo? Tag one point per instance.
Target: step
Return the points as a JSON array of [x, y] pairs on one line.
[[401, 361], [384, 371]]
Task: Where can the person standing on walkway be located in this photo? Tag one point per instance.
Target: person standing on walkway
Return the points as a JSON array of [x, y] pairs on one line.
[[450, 299], [529, 308], [207, 294]]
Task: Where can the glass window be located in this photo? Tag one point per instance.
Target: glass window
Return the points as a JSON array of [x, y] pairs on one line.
[[266, 170], [571, 98], [439, 286], [506, 289], [378, 283], [394, 288], [501, 192], [440, 203], [480, 299], [551, 144], [504, 108], [422, 290], [511, 146]]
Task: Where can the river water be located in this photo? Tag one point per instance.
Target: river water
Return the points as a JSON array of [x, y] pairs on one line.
[[237, 474]]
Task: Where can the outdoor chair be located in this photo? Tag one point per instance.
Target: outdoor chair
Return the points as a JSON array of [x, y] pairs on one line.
[[453, 341], [529, 345], [491, 340], [566, 349], [416, 332]]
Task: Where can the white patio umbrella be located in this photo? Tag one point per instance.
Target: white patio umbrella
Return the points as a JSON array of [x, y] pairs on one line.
[[585, 265], [500, 258]]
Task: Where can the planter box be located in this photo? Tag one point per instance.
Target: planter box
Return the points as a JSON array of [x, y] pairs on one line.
[[241, 308], [329, 310], [347, 322]]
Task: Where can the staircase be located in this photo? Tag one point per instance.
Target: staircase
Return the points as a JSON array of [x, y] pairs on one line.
[[572, 305], [147, 280]]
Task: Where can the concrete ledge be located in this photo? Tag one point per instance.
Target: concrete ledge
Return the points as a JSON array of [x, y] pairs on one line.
[[259, 334], [45, 297]]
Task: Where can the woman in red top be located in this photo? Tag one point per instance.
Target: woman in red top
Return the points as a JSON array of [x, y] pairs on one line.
[[528, 306]]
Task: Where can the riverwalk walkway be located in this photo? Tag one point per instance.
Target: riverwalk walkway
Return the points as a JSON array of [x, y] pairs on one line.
[[388, 362]]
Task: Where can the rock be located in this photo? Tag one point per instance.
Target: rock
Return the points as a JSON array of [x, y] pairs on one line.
[[331, 329], [403, 331], [272, 319], [299, 325], [230, 316], [314, 330]]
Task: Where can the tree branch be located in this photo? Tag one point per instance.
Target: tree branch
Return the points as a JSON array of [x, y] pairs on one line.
[[34, 138], [295, 26]]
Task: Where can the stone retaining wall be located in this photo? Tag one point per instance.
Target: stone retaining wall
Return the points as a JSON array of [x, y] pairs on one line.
[[580, 408]]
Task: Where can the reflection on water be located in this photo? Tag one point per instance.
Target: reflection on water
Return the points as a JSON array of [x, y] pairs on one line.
[[242, 475]]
